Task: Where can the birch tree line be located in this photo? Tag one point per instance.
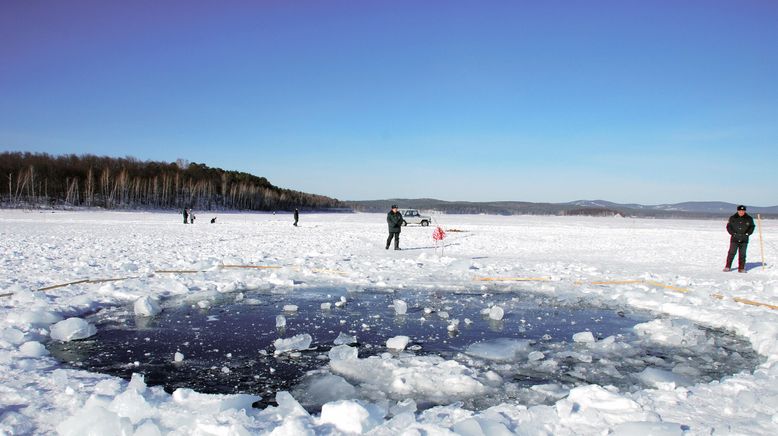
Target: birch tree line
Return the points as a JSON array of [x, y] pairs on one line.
[[40, 179]]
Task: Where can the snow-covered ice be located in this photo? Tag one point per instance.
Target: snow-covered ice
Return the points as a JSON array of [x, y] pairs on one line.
[[72, 329], [572, 254], [147, 306]]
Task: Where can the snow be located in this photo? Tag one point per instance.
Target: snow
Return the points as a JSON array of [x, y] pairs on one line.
[[381, 393]]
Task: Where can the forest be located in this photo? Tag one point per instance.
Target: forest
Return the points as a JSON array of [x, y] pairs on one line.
[[44, 180]]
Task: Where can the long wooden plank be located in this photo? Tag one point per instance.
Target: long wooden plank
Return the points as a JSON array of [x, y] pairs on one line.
[[63, 285], [512, 279]]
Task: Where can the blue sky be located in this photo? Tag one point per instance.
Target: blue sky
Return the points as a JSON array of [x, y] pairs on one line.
[[629, 101]]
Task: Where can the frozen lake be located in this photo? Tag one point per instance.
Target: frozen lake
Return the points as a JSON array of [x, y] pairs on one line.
[[528, 356], [695, 352]]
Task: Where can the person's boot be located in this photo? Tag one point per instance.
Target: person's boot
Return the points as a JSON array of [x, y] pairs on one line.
[[727, 269]]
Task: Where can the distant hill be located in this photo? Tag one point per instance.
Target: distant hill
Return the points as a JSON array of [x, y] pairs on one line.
[[707, 209], [43, 180]]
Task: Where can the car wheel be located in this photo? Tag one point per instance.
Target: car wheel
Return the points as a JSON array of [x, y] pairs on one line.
[[425, 223]]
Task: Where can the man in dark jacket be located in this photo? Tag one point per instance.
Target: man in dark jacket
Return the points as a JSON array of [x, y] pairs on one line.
[[395, 220], [186, 216], [740, 226], [296, 217]]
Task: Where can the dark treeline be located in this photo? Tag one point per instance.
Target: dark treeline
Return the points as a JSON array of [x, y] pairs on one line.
[[40, 179]]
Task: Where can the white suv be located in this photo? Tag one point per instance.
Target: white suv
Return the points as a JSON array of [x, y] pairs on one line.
[[412, 216]]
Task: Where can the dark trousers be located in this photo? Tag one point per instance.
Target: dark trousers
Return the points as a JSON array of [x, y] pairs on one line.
[[396, 236], [737, 247]]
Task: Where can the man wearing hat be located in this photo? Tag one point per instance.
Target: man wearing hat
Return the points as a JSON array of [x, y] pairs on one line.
[[740, 226], [395, 220]]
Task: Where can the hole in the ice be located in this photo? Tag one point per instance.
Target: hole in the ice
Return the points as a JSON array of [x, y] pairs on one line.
[[535, 354]]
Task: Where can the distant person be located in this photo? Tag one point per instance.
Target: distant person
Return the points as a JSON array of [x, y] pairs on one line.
[[296, 217], [213, 220], [395, 220], [186, 216], [740, 226], [191, 217]]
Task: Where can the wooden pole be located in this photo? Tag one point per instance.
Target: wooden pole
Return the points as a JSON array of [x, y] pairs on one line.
[[761, 242]]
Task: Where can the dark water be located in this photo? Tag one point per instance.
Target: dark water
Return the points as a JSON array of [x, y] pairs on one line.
[[228, 347]]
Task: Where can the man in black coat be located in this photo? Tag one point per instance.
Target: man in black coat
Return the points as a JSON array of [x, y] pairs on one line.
[[740, 226], [395, 220], [296, 217]]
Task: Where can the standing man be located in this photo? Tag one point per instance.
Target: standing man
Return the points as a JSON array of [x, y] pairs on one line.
[[740, 226], [186, 216], [395, 221], [296, 216]]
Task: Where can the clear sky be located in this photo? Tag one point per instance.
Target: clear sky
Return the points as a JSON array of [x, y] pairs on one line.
[[628, 101]]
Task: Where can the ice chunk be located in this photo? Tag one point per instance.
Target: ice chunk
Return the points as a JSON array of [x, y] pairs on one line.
[[405, 406], [421, 378], [147, 428], [342, 352], [479, 426], [280, 321], [132, 405], [453, 325], [326, 306], [400, 307], [34, 317], [535, 355], [288, 407], [72, 329], [583, 337], [350, 416], [33, 349], [501, 349], [178, 357], [398, 342], [291, 308], [661, 379], [109, 387], [208, 403], [496, 313], [296, 342], [146, 306], [344, 339], [671, 332], [13, 336], [322, 389], [203, 304], [95, 420]]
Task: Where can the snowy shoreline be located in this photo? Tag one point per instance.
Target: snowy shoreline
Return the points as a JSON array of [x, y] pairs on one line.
[[45, 249]]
